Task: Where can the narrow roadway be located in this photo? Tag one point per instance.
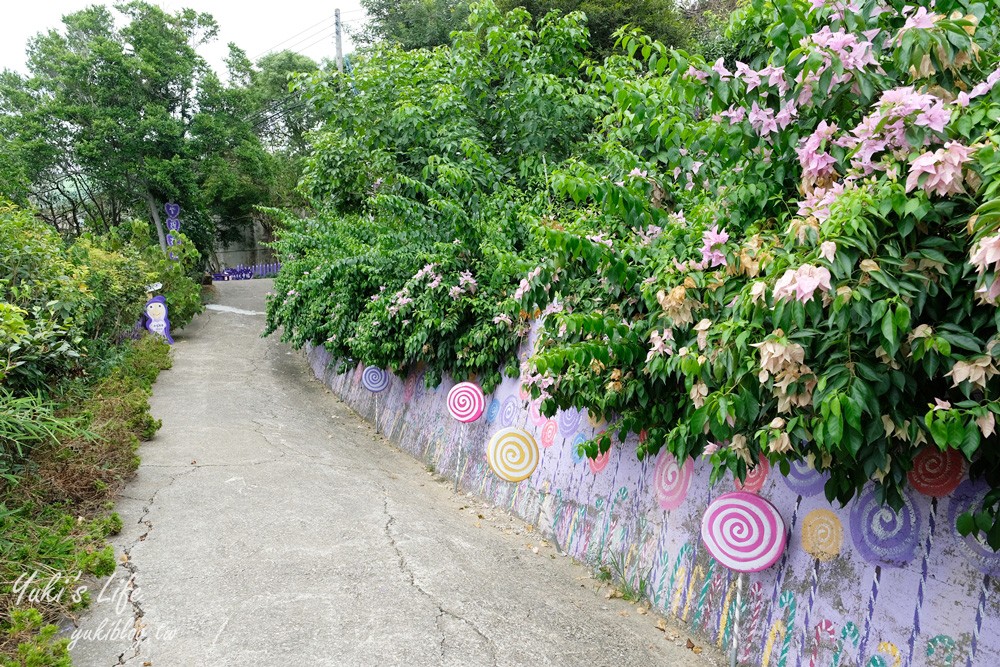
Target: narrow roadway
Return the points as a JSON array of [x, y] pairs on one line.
[[269, 525]]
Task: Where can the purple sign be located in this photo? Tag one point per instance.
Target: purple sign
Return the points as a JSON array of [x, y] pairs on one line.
[[157, 321], [173, 224]]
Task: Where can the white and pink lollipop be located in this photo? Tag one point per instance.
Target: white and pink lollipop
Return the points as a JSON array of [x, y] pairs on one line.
[[743, 532], [466, 402]]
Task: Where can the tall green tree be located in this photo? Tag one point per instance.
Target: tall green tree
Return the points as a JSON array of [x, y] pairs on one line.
[[113, 121], [414, 24], [660, 19]]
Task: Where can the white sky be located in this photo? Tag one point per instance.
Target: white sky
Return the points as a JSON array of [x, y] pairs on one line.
[[256, 26]]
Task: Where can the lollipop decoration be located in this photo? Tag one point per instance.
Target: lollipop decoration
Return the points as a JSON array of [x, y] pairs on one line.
[[936, 474], [512, 454], [822, 538], [671, 480], [745, 533], [466, 404], [375, 380], [549, 432], [755, 478], [508, 411]]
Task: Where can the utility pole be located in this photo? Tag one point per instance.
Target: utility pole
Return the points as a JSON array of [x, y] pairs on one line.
[[340, 48]]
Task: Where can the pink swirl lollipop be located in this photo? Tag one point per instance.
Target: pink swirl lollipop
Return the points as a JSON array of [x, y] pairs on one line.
[[600, 463], [466, 402], [671, 480], [535, 413], [756, 477], [744, 532], [549, 432]]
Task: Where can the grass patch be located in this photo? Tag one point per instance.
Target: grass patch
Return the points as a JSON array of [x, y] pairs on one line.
[[56, 504]]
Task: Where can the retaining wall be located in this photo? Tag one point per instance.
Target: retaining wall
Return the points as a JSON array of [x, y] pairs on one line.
[[859, 585]]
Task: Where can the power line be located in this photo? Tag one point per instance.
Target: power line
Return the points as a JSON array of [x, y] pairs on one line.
[[321, 39], [285, 41], [314, 25]]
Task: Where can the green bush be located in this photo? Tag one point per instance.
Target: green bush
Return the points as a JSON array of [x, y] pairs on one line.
[[791, 254], [62, 306], [424, 230]]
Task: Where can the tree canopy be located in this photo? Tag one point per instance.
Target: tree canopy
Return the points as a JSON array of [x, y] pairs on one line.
[[111, 122]]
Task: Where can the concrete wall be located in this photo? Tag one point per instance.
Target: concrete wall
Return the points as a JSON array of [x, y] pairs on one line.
[[858, 585]]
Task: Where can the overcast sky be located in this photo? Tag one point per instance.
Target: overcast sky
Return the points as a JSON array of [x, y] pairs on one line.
[[256, 26]]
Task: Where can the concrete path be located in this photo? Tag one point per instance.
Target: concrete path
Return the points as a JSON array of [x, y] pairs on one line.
[[269, 525]]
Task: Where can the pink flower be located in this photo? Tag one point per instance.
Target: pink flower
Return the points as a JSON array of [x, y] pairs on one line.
[[720, 68], [426, 271], [521, 290], [935, 116], [785, 116], [802, 283], [986, 86], [695, 73], [659, 344], [599, 238], [775, 77], [504, 318], [456, 292], [465, 279], [990, 294], [921, 19], [749, 76], [986, 253], [650, 234], [762, 120], [943, 170], [941, 405], [710, 449], [828, 250], [734, 114], [710, 253]]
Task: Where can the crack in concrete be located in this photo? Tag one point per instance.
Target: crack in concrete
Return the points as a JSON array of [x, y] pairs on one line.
[[129, 566], [442, 611]]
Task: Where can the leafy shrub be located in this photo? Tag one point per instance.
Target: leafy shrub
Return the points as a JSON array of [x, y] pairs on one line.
[[424, 233], [62, 305], [800, 250], [54, 515], [790, 254]]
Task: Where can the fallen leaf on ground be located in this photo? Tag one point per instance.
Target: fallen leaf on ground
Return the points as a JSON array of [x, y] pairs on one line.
[[661, 625]]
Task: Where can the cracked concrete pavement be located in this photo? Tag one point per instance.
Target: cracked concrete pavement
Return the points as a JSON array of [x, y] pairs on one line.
[[269, 525]]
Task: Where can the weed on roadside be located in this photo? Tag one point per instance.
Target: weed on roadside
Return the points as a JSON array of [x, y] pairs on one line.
[[55, 507]]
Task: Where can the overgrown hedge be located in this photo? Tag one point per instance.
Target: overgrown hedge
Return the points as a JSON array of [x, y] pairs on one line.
[[75, 378], [789, 253]]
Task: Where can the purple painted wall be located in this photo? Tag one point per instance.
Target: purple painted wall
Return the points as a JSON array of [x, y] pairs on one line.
[[857, 586]]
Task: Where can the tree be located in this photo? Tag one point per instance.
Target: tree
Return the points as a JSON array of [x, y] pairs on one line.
[[660, 19], [414, 24], [112, 122]]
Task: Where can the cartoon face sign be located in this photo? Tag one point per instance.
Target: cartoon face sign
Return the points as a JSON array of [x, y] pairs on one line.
[[156, 311], [156, 318]]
